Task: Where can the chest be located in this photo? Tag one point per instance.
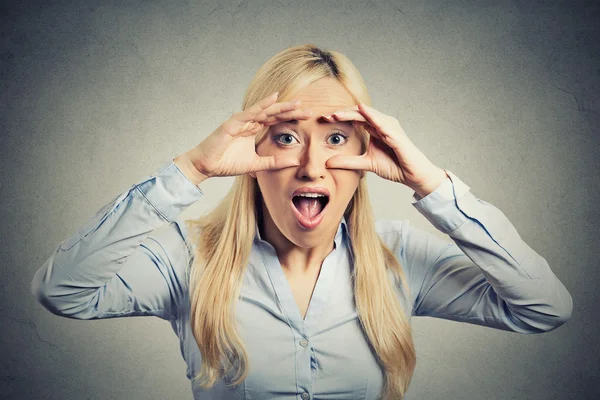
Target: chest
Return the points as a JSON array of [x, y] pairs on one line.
[[302, 288], [327, 355], [300, 335]]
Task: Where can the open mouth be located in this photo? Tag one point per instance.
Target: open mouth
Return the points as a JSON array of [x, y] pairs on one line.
[[308, 209]]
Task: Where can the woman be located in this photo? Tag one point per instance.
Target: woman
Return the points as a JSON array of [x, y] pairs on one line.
[[289, 288]]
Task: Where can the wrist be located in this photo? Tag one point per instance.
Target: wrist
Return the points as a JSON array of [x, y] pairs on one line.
[[185, 164], [431, 183]]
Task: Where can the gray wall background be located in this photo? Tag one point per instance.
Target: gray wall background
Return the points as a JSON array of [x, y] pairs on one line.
[[97, 95]]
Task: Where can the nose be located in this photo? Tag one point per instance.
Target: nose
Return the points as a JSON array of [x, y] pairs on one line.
[[312, 162]]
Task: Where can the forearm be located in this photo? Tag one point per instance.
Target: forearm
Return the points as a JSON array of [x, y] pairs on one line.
[[526, 297], [429, 184], [185, 164], [71, 278]]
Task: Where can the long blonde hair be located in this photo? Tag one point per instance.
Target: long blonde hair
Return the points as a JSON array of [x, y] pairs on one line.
[[224, 239]]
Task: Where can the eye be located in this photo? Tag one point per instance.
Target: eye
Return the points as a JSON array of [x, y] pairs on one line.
[[339, 137], [287, 138]]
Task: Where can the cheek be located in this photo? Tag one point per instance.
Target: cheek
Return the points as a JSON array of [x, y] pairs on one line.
[[272, 186], [346, 183], [264, 182]]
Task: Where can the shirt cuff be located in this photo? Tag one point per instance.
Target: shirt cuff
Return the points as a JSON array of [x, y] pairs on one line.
[[170, 191], [440, 207], [445, 188]]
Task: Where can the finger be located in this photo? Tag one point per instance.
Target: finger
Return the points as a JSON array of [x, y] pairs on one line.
[[387, 128], [353, 107], [350, 162], [275, 162], [257, 109], [259, 106], [354, 116], [277, 108], [347, 115], [286, 116], [372, 116], [250, 128], [372, 131]]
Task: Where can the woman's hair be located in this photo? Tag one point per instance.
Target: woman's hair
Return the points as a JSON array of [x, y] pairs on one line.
[[223, 240]]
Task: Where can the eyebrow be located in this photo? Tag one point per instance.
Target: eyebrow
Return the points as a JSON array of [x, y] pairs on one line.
[[321, 120]]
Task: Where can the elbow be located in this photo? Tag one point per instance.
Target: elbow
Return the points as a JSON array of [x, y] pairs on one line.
[[563, 308], [544, 317], [43, 290], [60, 304], [564, 311], [560, 314], [43, 294], [59, 295], [557, 309], [555, 322], [39, 290]]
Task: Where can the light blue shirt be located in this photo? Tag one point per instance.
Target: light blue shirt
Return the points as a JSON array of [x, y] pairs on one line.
[[119, 264]]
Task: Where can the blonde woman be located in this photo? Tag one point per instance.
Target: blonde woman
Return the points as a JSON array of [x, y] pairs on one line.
[[288, 289]]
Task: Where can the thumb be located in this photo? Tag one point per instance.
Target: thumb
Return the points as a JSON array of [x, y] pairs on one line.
[[349, 162], [276, 162]]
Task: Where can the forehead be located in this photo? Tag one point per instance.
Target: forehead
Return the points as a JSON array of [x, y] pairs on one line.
[[325, 94]]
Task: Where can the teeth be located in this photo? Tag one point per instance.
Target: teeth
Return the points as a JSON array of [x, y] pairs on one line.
[[311, 195]]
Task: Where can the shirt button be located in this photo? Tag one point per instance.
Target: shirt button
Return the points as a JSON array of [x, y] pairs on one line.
[[304, 343], [305, 396]]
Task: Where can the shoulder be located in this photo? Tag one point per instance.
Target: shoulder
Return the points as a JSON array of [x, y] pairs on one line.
[[393, 232], [171, 243], [174, 236], [407, 240], [415, 248]]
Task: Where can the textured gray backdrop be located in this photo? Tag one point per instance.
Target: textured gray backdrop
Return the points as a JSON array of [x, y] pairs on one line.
[[96, 95]]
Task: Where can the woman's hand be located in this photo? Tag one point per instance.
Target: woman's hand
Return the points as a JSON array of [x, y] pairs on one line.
[[230, 149], [391, 154]]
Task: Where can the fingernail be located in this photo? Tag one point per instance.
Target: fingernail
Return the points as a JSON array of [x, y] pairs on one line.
[[326, 115], [339, 113]]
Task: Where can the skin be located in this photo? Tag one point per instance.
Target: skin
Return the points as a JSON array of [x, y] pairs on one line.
[[312, 142], [311, 159]]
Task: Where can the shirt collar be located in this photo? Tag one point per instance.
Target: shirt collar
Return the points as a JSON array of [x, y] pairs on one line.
[[341, 233]]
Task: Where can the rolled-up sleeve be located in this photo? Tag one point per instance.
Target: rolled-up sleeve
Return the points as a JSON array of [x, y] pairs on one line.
[[119, 263], [487, 275]]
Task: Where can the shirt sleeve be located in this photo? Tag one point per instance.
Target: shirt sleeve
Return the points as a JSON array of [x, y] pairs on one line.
[[119, 263], [487, 275]]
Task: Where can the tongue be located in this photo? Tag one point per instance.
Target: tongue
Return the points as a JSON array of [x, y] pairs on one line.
[[309, 207]]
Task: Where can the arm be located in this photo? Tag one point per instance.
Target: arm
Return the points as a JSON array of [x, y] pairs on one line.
[[488, 276], [118, 263]]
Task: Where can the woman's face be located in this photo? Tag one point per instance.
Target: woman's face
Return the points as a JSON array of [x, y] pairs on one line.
[[303, 220]]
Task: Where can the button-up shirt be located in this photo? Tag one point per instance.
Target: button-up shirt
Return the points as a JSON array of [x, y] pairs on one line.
[[133, 258]]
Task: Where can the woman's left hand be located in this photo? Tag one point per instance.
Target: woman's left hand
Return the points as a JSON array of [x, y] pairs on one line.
[[391, 154]]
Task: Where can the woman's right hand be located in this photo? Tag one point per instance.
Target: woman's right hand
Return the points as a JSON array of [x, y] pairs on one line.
[[230, 149]]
